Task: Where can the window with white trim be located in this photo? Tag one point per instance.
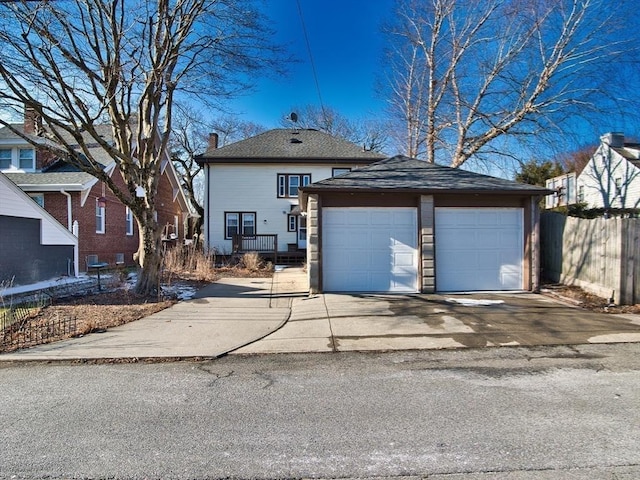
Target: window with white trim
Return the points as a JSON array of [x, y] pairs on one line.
[[128, 221], [5, 158], [17, 159], [176, 226], [239, 223], [26, 159], [288, 184], [100, 218], [292, 223], [581, 194]]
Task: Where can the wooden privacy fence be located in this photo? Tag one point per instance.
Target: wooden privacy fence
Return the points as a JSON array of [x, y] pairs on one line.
[[596, 254]]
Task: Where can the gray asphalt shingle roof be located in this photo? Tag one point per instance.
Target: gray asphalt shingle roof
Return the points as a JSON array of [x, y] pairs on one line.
[[407, 174], [69, 180], [285, 144]]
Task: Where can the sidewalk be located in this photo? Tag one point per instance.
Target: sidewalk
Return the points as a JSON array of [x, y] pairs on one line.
[[222, 317]]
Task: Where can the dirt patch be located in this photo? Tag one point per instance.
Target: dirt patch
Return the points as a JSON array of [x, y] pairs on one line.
[[586, 300]]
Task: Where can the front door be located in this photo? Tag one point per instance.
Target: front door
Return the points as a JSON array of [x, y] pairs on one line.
[[302, 232]]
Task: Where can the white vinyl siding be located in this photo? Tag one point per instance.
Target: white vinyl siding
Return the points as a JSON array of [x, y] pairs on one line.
[[15, 203], [610, 181], [258, 184]]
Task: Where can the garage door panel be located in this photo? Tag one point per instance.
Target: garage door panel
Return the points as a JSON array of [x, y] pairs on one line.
[[479, 249], [376, 255]]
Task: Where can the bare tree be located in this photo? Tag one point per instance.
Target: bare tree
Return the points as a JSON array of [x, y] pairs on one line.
[[463, 73], [370, 133], [79, 63], [190, 136]]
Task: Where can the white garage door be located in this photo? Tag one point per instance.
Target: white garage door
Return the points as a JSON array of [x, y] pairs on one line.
[[479, 249], [369, 249]]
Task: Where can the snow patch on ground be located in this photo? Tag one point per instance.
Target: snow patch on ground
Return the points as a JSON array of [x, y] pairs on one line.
[[472, 302]]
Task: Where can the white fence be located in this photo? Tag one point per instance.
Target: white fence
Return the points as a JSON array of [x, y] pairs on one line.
[[595, 254]]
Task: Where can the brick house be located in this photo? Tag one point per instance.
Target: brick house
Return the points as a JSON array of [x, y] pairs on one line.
[[105, 228]]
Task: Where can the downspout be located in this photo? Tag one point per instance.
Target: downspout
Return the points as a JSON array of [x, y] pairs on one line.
[[69, 219], [70, 228]]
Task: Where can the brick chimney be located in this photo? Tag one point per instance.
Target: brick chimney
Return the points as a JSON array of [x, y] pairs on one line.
[[213, 141], [32, 121]]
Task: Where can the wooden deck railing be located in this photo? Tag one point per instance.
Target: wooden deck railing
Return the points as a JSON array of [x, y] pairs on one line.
[[255, 243]]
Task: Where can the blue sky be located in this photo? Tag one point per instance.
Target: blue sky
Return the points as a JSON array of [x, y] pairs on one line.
[[346, 43]]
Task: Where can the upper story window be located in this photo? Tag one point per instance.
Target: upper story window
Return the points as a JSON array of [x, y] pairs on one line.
[[17, 159], [288, 184], [339, 171]]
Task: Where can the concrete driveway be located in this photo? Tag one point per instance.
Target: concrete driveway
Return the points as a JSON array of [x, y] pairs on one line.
[[334, 322], [271, 315]]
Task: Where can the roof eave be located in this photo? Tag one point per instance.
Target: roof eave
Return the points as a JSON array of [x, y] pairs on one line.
[[427, 191]]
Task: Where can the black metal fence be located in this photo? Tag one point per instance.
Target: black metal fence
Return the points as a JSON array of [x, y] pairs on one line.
[[19, 328]]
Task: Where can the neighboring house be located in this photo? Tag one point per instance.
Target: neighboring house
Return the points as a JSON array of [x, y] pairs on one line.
[[564, 191], [35, 246], [609, 181], [404, 225], [251, 186], [105, 228]]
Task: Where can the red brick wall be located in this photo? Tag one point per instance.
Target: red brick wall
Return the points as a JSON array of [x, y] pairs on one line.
[[114, 240]]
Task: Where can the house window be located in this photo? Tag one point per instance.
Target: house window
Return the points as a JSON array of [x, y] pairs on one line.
[[129, 221], [5, 158], [239, 223], [26, 159], [581, 194], [288, 184], [38, 198], [176, 225], [100, 214], [119, 258], [292, 223], [339, 171], [618, 182]]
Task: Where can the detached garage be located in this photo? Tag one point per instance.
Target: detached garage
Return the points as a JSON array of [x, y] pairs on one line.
[[405, 226]]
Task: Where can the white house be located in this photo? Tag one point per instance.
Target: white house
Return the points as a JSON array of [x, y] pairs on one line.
[[564, 188], [611, 179], [251, 186]]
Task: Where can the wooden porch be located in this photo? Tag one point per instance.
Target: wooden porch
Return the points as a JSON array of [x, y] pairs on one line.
[[267, 247]]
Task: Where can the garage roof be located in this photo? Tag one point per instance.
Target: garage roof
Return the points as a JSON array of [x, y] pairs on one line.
[[406, 174]]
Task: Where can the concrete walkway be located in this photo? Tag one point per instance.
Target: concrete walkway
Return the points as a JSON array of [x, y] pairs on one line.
[[276, 315], [222, 317]]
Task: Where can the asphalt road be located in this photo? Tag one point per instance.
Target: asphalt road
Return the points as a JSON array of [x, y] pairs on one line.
[[513, 413]]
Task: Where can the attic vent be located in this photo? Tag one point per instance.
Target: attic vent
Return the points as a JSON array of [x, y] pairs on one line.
[[295, 140]]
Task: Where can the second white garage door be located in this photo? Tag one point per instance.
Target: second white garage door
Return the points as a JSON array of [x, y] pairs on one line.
[[479, 249], [369, 249]]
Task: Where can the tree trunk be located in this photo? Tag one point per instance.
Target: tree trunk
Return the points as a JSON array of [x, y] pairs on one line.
[[149, 256]]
